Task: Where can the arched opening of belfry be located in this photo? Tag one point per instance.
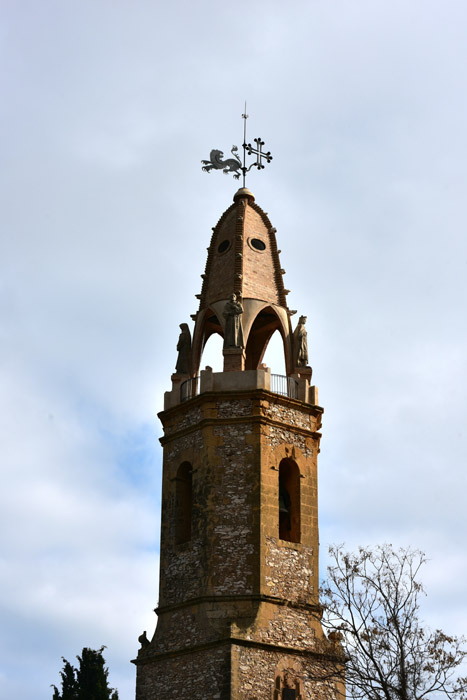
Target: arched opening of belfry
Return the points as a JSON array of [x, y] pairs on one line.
[[212, 353], [264, 325], [208, 349]]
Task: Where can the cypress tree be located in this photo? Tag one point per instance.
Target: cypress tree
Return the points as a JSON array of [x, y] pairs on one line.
[[88, 681]]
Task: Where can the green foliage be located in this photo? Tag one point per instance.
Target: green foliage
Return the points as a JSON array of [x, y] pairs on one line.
[[88, 681]]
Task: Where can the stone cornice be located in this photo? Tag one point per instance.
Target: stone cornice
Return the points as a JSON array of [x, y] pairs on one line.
[[236, 420], [314, 608], [150, 656], [262, 394]]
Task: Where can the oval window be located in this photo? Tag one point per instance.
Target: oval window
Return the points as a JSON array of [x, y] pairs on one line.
[[223, 246], [258, 244]]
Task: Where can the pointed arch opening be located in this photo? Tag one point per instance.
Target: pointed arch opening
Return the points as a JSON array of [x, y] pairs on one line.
[[183, 503], [212, 353], [210, 326], [274, 355], [289, 501], [264, 325]]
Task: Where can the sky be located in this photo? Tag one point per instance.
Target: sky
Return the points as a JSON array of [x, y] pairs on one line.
[[106, 110]]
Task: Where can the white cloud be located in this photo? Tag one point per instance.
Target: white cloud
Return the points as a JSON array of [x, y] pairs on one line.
[[107, 110]]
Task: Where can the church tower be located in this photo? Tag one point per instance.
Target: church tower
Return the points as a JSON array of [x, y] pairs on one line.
[[238, 613]]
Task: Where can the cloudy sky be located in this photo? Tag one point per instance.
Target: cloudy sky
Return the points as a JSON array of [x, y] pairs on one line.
[[107, 108]]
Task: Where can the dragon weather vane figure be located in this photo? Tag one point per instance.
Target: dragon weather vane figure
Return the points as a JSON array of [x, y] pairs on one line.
[[234, 165]]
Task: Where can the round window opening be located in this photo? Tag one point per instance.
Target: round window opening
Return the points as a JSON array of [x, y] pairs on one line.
[[225, 245], [258, 244]]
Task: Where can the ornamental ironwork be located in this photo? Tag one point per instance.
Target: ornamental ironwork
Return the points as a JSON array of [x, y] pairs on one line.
[[235, 165]]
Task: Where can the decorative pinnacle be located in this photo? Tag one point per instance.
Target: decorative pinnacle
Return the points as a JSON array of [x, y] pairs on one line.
[[234, 165]]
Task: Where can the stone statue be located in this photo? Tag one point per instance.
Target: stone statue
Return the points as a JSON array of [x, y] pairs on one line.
[[233, 333], [143, 640], [184, 350], [300, 343]]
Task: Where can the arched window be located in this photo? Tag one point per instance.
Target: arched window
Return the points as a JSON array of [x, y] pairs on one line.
[[183, 503], [289, 501]]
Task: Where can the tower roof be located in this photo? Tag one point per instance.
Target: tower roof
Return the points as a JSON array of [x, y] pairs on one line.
[[243, 258], [243, 268]]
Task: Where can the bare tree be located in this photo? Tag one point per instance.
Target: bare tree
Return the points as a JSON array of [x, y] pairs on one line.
[[370, 610]]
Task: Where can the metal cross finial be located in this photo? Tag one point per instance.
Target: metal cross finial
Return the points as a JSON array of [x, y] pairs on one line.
[[234, 165], [259, 153], [244, 117]]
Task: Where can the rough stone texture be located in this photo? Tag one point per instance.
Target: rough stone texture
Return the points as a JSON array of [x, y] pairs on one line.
[[289, 416], [193, 442], [182, 575], [232, 512], [203, 673], [236, 603], [284, 625], [233, 408], [191, 417], [281, 436], [290, 570], [257, 669]]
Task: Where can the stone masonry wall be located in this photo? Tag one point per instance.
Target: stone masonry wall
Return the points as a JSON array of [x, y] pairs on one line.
[[284, 625], [234, 493], [289, 573], [255, 671], [200, 674], [235, 445], [219, 558]]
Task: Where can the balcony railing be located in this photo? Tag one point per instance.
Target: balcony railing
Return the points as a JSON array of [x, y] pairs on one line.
[[285, 386], [189, 389]]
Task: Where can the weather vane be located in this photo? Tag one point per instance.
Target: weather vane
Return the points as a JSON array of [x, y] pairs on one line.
[[234, 165]]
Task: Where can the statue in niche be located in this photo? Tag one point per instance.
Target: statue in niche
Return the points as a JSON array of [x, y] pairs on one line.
[[184, 350], [289, 689], [300, 343], [233, 333], [288, 686]]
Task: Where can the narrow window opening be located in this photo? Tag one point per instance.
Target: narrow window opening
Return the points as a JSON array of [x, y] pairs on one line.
[[289, 694], [289, 501], [183, 503]]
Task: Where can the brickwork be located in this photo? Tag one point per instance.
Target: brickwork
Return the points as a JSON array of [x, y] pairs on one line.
[[220, 275], [258, 266], [241, 268]]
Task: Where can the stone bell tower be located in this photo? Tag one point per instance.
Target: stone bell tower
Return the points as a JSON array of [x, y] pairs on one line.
[[238, 614]]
